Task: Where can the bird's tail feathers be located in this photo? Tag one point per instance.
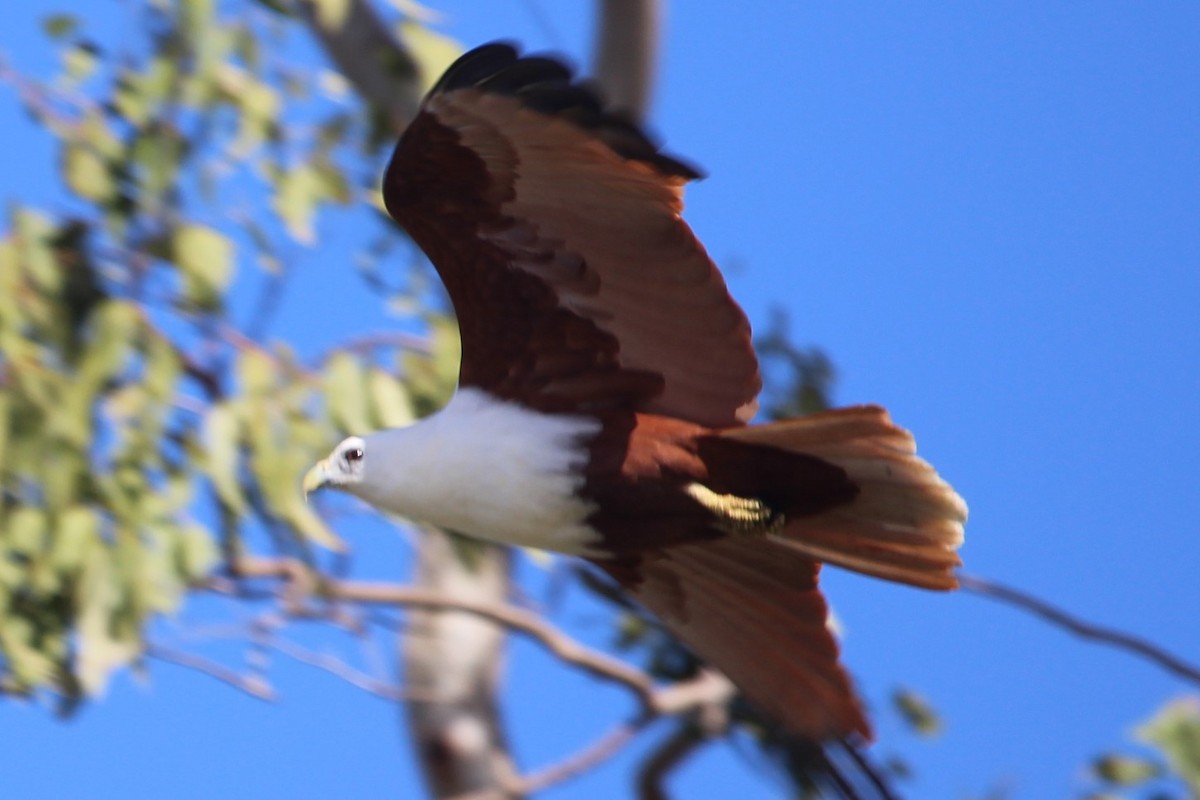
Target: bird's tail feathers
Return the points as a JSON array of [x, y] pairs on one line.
[[905, 524]]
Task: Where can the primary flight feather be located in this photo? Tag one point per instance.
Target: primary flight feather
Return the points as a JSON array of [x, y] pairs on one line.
[[606, 384]]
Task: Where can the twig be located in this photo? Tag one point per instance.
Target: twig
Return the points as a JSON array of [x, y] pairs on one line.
[[366, 344], [252, 685], [591, 756], [1086, 630], [665, 758], [707, 695], [303, 583], [588, 758], [339, 668]]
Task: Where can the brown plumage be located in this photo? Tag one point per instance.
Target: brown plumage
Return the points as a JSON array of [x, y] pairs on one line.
[[580, 291]]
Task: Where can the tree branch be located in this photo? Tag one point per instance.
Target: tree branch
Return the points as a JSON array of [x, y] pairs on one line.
[[252, 685], [625, 53], [378, 66], [586, 759], [707, 690], [1086, 630], [706, 696], [666, 758]]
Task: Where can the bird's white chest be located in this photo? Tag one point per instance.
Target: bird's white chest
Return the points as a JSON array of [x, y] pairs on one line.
[[487, 468]]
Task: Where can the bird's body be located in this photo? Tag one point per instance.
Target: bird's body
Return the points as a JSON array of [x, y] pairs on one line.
[[606, 382]]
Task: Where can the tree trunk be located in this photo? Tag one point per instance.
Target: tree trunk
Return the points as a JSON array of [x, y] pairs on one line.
[[452, 666]]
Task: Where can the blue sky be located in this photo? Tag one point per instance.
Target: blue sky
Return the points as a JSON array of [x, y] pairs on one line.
[[987, 215]]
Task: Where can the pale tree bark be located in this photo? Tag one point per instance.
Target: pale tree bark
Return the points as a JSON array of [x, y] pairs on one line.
[[626, 52], [452, 667], [451, 659], [366, 53]]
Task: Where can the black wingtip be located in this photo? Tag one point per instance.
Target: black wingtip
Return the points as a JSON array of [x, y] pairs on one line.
[[546, 84]]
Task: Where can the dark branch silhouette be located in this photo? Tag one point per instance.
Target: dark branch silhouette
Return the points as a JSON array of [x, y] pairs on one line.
[[1086, 630]]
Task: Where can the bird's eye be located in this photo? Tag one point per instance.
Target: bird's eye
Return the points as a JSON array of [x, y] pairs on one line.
[[354, 454]]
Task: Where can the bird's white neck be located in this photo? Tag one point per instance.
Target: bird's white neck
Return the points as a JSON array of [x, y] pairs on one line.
[[488, 468]]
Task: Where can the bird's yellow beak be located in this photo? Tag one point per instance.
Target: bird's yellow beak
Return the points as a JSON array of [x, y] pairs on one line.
[[316, 478]]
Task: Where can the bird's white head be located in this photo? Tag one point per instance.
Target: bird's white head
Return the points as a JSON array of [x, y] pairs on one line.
[[345, 467]]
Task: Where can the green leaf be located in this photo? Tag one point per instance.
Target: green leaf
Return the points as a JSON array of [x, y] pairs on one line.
[[260, 105], [5, 403], [79, 62], [296, 198], [161, 79], [25, 531], [331, 14], [1175, 730], [205, 257], [129, 99], [161, 370], [104, 645], [332, 182], [1124, 770], [257, 373], [345, 392], [77, 532], [246, 46], [29, 667], [34, 234], [284, 9], [310, 525], [207, 42], [10, 283], [196, 18], [433, 51], [157, 153], [86, 173], [114, 327], [222, 436], [196, 552], [59, 26], [917, 712], [390, 402], [431, 379]]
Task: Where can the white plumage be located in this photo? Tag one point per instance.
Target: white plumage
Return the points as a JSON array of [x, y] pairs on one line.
[[484, 467]]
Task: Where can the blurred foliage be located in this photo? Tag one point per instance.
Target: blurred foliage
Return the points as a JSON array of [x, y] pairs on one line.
[[1167, 766], [796, 380], [143, 429]]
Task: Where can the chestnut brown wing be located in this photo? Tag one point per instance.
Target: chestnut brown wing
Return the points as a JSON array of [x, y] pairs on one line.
[[556, 228]]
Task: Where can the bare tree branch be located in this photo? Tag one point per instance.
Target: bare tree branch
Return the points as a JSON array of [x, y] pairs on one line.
[[664, 759], [625, 53], [709, 689], [586, 759], [338, 668], [307, 594], [1086, 630], [378, 66], [253, 685]]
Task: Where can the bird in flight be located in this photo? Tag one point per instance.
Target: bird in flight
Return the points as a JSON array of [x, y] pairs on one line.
[[606, 390]]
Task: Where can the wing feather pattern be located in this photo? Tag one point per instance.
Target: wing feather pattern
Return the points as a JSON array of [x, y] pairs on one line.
[[556, 228], [752, 608]]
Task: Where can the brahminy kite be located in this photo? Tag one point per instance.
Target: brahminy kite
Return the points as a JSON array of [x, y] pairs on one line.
[[606, 389]]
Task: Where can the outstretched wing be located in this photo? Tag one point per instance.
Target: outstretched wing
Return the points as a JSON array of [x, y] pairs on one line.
[[556, 228], [752, 608]]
